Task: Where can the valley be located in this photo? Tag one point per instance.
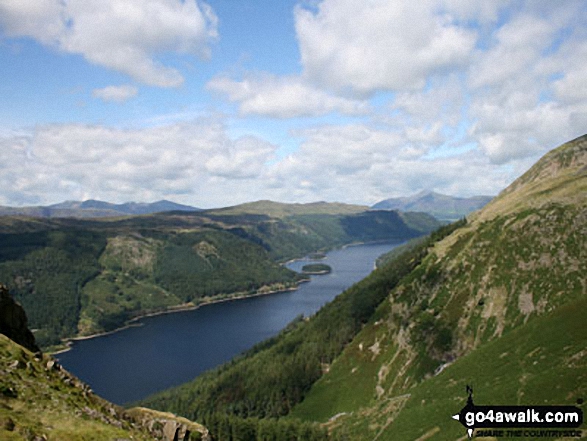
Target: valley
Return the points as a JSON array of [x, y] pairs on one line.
[[78, 277], [494, 302]]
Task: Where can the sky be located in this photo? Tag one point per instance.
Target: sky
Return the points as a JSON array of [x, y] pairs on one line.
[[222, 102]]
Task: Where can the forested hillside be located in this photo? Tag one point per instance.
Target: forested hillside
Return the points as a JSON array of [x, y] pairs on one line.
[[496, 303], [270, 379], [79, 277]]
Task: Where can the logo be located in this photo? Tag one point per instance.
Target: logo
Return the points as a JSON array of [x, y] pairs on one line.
[[522, 418]]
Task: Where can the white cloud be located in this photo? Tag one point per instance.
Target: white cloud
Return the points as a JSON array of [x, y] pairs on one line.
[[283, 97], [519, 108], [198, 163], [362, 164], [78, 161], [123, 35], [379, 45], [117, 94]]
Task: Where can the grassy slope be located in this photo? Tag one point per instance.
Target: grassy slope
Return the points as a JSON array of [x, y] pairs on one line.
[[539, 363], [38, 399], [519, 264]]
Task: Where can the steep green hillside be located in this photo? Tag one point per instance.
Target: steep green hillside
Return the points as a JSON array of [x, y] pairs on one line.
[[39, 400], [499, 302], [79, 277]]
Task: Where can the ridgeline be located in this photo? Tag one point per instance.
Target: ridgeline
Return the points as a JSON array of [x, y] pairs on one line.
[[495, 301], [79, 277]]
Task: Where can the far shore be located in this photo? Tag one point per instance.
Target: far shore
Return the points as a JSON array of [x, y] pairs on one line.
[[172, 309], [206, 301]]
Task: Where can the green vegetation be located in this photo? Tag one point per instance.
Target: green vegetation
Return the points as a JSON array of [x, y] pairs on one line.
[[46, 272], [80, 277], [40, 400], [316, 268], [272, 377], [496, 304], [522, 367]]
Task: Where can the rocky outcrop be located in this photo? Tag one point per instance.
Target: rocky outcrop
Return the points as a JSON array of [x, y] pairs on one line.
[[167, 426], [52, 401], [13, 321]]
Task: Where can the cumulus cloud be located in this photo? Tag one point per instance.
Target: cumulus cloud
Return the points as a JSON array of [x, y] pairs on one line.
[[123, 35], [525, 88], [117, 94], [79, 161], [362, 164], [197, 163], [283, 97], [379, 45]]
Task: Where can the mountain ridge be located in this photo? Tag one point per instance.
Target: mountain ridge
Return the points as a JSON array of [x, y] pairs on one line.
[[515, 269], [450, 307], [92, 208], [441, 206]]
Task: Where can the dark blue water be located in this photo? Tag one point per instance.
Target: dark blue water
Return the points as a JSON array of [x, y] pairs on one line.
[[170, 349]]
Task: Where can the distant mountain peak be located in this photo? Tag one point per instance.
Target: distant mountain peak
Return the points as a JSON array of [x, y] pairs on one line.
[[97, 208], [439, 205]]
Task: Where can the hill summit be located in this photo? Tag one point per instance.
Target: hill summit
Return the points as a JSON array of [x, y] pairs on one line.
[[495, 302], [497, 305]]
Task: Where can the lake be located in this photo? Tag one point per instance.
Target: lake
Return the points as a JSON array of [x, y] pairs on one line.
[[170, 349]]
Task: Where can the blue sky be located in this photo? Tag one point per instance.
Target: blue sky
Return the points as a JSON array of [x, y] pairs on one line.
[[218, 103]]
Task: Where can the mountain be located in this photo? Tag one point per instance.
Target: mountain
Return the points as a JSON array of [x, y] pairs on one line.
[[79, 277], [443, 207], [498, 304], [39, 400], [280, 210], [495, 302], [131, 208], [95, 209]]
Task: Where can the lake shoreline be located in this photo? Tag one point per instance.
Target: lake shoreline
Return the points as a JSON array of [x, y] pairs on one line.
[[131, 323], [173, 349]]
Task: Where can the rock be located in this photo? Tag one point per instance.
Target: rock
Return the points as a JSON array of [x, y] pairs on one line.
[[170, 431], [7, 424], [17, 364], [13, 322]]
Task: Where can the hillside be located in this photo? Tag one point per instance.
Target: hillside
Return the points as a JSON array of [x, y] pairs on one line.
[[80, 277], [281, 210], [39, 400], [443, 207], [496, 302]]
